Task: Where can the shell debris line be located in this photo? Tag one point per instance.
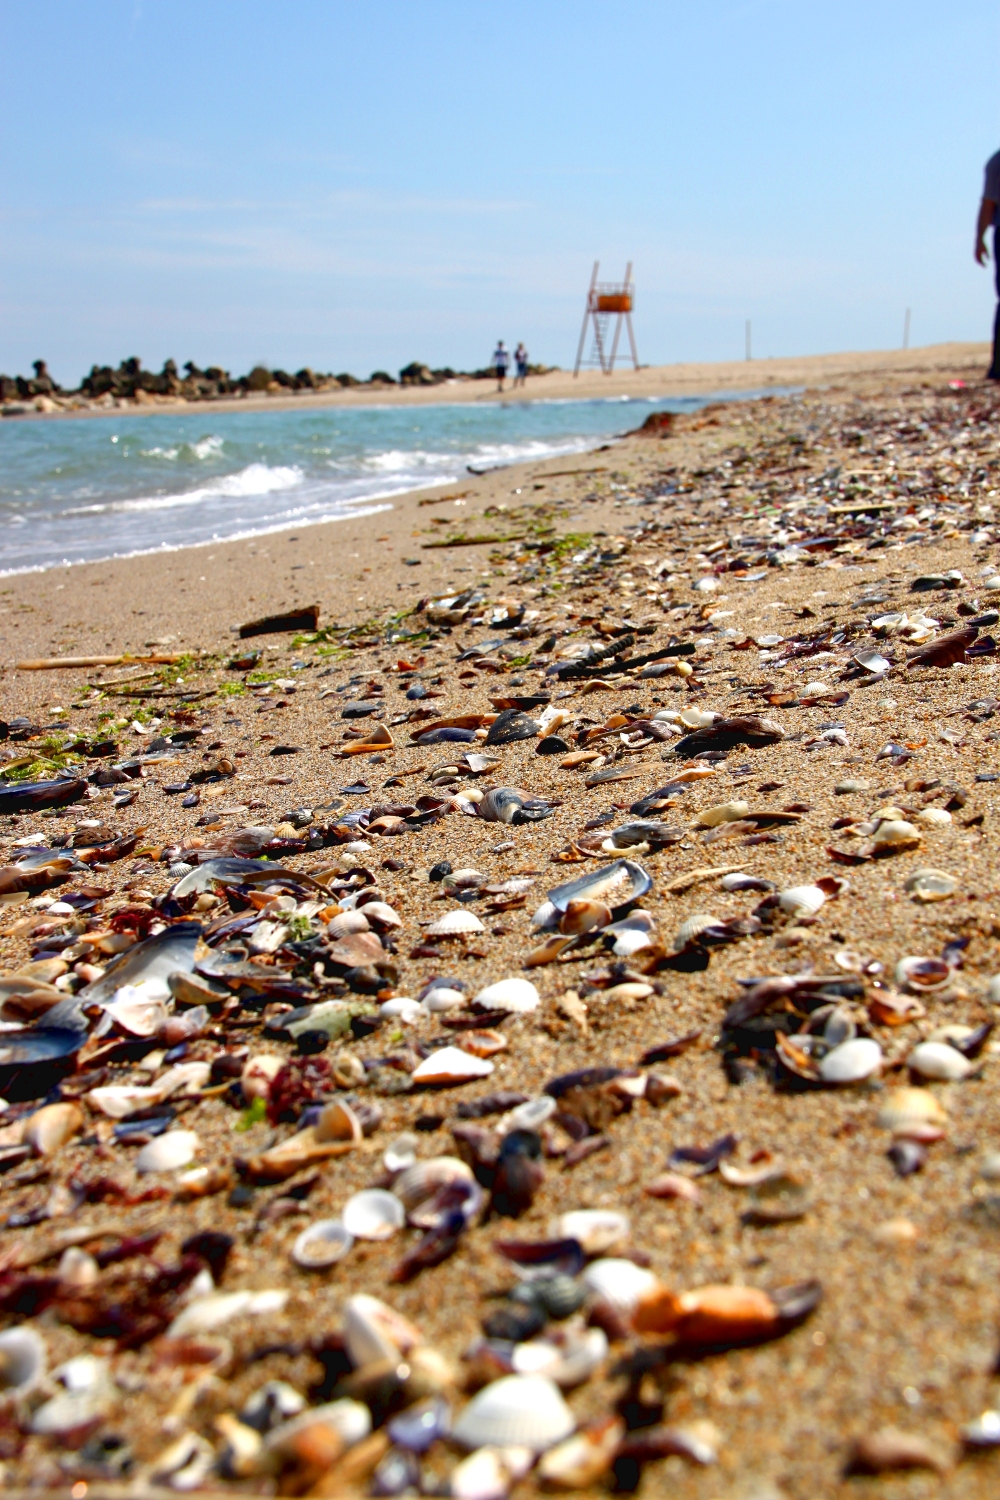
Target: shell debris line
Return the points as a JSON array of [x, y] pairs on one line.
[[400, 1093]]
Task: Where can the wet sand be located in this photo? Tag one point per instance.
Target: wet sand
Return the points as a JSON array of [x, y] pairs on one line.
[[906, 1333]]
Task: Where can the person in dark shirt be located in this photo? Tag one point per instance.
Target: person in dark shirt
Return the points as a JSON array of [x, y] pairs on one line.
[[989, 213], [501, 359]]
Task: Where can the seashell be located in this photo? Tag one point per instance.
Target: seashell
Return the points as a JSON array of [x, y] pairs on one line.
[[168, 1152], [887, 1449], [346, 923], [373, 1331], [725, 1316], [584, 916], [725, 812], [938, 1060], [802, 900], [501, 805], [673, 1185], [242, 1448], [205, 1314], [872, 661], [851, 1062], [401, 1153], [455, 924], [418, 1427], [692, 718], [443, 998], [923, 975], [154, 959], [510, 725], [895, 833], [545, 916], [450, 1065], [337, 1122], [518, 996], [22, 1360], [582, 1459], [51, 1127], [373, 1214], [463, 880], [259, 1072], [779, 1197], [76, 1268], [911, 1109], [547, 952], [485, 1043], [419, 1182], [530, 1115], [569, 1357], [984, 1432], [619, 1282], [616, 884], [321, 1245], [935, 817], [519, 1411], [481, 1476], [316, 1438], [402, 1008], [382, 914], [931, 885], [690, 930], [557, 1294], [598, 1230]]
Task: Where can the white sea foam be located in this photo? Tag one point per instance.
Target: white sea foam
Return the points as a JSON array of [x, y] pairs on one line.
[[255, 479]]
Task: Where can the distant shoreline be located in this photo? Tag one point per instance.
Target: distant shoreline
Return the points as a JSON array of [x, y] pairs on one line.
[[654, 381]]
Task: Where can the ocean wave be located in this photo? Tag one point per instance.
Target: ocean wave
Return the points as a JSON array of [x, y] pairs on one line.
[[206, 447], [255, 479]]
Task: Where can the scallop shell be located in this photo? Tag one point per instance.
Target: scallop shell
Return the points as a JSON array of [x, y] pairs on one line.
[[373, 1214], [616, 884], [935, 817], [802, 900], [322, 1244], [692, 928], [346, 923], [620, 1282], [374, 1331], [896, 833], [464, 880], [725, 812], [938, 1060], [381, 913], [519, 1411], [455, 923], [851, 1062], [165, 1153], [451, 1065], [584, 916], [922, 975], [518, 996], [424, 1178], [22, 1360], [598, 1230], [909, 1107], [931, 885]]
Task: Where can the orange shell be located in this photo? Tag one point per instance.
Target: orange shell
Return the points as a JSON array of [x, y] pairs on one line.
[[724, 1314]]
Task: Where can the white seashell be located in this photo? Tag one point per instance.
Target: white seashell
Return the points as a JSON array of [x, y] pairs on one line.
[[530, 1114], [597, 1229], [802, 900], [627, 943], [322, 1244], [896, 833], [583, 1460], [547, 915], [692, 718], [515, 995], [140, 1009], [620, 1282], [935, 817], [851, 1062], [373, 1331], [481, 1476], [165, 1153], [22, 1360], [993, 990], [931, 885], [51, 1127], [443, 997], [266, 937], [259, 1071], [77, 1268], [872, 661], [451, 1065], [422, 1179], [205, 1314], [692, 928], [381, 913], [723, 812], [350, 1420], [346, 923], [706, 585], [922, 975], [454, 923], [373, 1214], [402, 1008], [519, 1411], [938, 1060], [401, 1153], [185, 1464], [464, 880], [908, 1108]]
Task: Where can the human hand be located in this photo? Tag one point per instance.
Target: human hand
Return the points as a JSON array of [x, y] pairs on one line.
[[981, 252]]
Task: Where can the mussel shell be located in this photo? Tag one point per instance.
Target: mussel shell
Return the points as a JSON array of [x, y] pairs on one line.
[[616, 885], [511, 725]]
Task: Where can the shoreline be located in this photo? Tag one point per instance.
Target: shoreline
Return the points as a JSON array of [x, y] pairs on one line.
[[693, 378]]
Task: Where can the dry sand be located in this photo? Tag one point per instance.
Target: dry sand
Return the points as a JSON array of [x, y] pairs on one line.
[[906, 1333]]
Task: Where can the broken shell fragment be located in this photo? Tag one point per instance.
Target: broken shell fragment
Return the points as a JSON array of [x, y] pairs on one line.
[[598, 1230], [22, 1360], [779, 1197], [584, 916], [619, 1282], [673, 1185], [321, 1245], [895, 834], [450, 1066], [373, 1214], [615, 884], [518, 1411], [168, 1152], [723, 1317], [931, 885], [52, 1127], [580, 1461], [725, 812]]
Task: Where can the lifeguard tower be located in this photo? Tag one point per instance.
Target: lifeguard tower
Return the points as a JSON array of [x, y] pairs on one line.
[[607, 300]]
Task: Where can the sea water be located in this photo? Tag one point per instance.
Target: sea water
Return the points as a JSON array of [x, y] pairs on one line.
[[79, 489]]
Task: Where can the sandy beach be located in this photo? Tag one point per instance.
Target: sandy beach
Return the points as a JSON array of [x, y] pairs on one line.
[[767, 538]]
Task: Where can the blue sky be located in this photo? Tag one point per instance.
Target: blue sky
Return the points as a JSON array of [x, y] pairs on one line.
[[353, 186]]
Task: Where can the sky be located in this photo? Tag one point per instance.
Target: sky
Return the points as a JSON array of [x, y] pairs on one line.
[[352, 187]]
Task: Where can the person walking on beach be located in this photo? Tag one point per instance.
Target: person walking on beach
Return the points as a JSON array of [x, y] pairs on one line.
[[989, 213], [501, 359], [521, 362]]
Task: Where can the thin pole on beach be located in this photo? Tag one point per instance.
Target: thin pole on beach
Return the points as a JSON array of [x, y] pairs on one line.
[[749, 344], [906, 330]]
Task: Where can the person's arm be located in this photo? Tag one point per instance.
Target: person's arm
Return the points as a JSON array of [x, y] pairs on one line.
[[987, 209]]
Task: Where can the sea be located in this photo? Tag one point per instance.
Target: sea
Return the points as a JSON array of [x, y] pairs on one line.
[[76, 490]]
